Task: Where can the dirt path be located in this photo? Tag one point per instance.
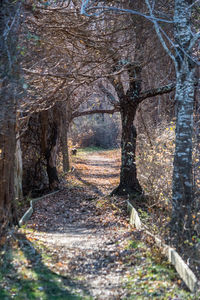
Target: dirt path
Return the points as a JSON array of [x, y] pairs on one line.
[[84, 235], [88, 232]]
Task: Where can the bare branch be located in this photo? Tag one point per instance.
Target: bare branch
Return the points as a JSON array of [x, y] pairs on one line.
[[189, 7], [95, 111], [194, 40], [108, 94], [45, 74], [85, 9], [157, 91], [158, 31]]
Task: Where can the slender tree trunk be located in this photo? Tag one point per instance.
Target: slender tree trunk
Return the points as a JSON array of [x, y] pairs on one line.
[[129, 183], [18, 172], [64, 140], [182, 175], [65, 151]]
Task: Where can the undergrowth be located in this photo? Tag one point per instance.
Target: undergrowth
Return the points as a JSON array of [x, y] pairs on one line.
[[152, 277], [155, 164], [154, 161]]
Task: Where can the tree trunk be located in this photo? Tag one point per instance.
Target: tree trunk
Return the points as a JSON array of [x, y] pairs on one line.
[[65, 150], [182, 175], [50, 137], [18, 172], [64, 139], [9, 13], [51, 157], [7, 157], [33, 144], [129, 183]]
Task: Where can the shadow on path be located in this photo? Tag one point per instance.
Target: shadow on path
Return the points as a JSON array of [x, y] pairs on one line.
[[87, 183], [23, 275]]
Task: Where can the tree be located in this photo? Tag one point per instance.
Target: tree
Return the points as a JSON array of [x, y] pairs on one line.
[[9, 88], [183, 196], [129, 102], [131, 96], [40, 144], [43, 116], [59, 47], [179, 48], [184, 40]]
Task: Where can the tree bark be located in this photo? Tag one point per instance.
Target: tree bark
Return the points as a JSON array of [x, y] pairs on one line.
[[7, 157], [182, 189], [66, 118], [18, 174], [51, 157], [129, 184], [65, 149], [50, 137], [9, 73]]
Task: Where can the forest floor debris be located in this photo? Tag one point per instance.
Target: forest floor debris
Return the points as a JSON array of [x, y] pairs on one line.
[[79, 245]]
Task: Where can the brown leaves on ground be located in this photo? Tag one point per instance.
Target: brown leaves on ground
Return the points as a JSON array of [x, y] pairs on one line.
[[87, 233]]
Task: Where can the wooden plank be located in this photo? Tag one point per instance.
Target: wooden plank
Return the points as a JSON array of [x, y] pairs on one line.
[[174, 258], [134, 217], [29, 212]]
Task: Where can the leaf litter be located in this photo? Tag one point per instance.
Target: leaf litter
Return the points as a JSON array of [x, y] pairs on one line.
[[82, 238]]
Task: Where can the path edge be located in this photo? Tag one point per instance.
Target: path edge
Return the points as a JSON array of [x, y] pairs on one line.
[[173, 257], [30, 210]]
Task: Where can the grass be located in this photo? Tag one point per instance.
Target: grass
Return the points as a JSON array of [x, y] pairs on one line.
[[25, 273], [152, 276], [90, 149], [109, 153]]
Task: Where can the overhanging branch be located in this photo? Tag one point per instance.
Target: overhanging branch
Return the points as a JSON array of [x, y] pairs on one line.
[[108, 94], [94, 111], [157, 91]]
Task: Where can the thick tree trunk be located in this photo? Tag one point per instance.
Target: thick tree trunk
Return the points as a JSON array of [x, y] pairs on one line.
[[182, 197], [129, 183], [50, 138], [182, 175], [9, 13], [33, 144], [7, 157]]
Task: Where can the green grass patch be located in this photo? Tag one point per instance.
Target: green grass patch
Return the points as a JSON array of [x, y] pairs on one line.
[[25, 273], [133, 244], [151, 277], [91, 149]]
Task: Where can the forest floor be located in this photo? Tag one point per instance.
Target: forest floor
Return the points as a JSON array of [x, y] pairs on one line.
[[78, 244]]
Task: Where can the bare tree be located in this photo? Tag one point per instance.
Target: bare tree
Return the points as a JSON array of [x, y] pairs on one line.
[[138, 45], [129, 102], [179, 47], [181, 52]]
